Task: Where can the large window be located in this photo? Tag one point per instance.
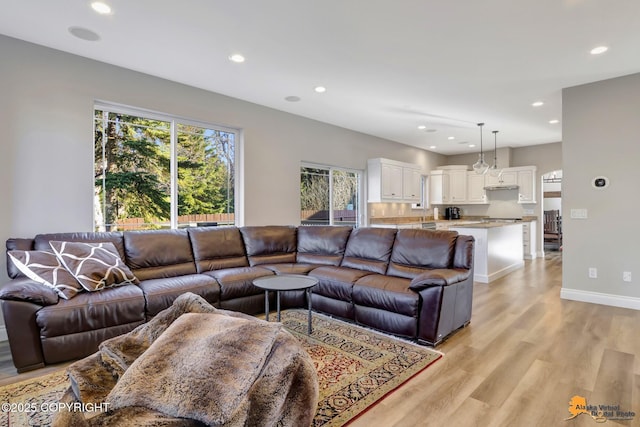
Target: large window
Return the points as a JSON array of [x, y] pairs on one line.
[[154, 171], [329, 196]]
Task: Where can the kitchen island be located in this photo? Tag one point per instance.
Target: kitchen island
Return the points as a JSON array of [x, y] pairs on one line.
[[498, 248]]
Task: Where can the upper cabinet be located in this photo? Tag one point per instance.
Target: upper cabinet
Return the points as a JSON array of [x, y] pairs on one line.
[[526, 184], [438, 187], [456, 185], [508, 176], [411, 184], [448, 185], [393, 181], [476, 193]]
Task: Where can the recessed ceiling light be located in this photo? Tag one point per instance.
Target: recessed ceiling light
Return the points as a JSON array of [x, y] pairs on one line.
[[236, 57], [320, 89], [537, 104], [292, 98], [451, 138], [472, 145], [84, 34], [422, 127], [433, 146], [598, 50], [101, 8], [554, 121]]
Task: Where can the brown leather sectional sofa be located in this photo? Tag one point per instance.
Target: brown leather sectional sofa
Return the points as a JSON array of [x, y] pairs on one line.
[[412, 283]]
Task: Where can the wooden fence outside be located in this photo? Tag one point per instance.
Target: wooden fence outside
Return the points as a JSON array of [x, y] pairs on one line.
[[306, 217], [129, 224]]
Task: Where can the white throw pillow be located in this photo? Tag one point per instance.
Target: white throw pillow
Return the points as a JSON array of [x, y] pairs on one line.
[[95, 265], [45, 268]]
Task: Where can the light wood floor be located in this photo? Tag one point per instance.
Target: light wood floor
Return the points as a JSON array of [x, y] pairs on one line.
[[519, 362], [522, 358]]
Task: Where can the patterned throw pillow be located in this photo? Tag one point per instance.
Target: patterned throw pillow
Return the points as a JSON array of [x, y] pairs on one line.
[[45, 268], [95, 265]]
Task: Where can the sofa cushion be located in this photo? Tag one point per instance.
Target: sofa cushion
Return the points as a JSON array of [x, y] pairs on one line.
[[45, 268], [215, 248], [416, 250], [269, 244], [369, 249], [322, 244], [154, 254], [336, 282], [386, 293], [160, 293], [24, 289], [463, 257], [41, 241], [89, 311], [15, 244], [238, 282], [95, 265]]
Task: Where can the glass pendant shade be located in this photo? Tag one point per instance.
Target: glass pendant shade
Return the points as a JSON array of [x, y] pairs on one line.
[[494, 170], [480, 167]]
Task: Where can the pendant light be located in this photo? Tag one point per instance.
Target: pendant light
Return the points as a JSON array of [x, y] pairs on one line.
[[493, 170], [480, 167]]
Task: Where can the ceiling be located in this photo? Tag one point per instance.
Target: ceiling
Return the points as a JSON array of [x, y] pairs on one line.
[[388, 66]]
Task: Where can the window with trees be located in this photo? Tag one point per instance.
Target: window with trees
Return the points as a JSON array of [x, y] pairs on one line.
[[154, 171], [329, 196]]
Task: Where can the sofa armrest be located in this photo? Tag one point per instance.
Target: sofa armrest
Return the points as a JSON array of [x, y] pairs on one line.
[[439, 277], [24, 289]]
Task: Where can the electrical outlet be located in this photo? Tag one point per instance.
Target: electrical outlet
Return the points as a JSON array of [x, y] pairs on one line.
[[593, 273], [626, 276]]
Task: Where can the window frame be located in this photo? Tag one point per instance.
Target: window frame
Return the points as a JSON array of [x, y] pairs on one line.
[[174, 120]]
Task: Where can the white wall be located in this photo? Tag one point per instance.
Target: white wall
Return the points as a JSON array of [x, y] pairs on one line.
[[46, 160], [601, 136]]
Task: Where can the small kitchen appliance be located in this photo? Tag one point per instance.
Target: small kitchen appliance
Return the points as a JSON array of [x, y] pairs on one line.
[[452, 212]]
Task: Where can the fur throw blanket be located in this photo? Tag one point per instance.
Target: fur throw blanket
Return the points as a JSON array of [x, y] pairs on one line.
[[194, 365]]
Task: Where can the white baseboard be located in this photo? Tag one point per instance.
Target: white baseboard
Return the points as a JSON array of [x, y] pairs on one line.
[[3, 334], [488, 278], [600, 298]]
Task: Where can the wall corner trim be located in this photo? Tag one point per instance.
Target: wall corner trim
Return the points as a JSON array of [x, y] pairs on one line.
[[600, 298]]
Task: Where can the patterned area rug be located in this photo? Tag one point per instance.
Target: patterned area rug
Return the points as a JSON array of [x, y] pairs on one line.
[[356, 368]]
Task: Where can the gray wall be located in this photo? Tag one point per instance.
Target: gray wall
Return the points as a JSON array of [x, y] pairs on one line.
[[601, 131], [46, 160]]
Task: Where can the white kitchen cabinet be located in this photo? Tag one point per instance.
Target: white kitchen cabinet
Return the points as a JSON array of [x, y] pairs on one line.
[[509, 176], [448, 185], [476, 193], [411, 184], [529, 240], [393, 181], [526, 184], [458, 186], [438, 187]]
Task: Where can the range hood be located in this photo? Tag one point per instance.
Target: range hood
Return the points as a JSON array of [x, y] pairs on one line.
[[501, 187]]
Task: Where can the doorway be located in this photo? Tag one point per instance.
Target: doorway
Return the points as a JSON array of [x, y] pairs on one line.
[[552, 211]]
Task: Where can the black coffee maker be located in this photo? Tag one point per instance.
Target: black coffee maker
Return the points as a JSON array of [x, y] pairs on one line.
[[452, 213]]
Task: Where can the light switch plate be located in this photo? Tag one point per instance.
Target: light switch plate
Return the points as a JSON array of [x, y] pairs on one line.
[[579, 213]]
